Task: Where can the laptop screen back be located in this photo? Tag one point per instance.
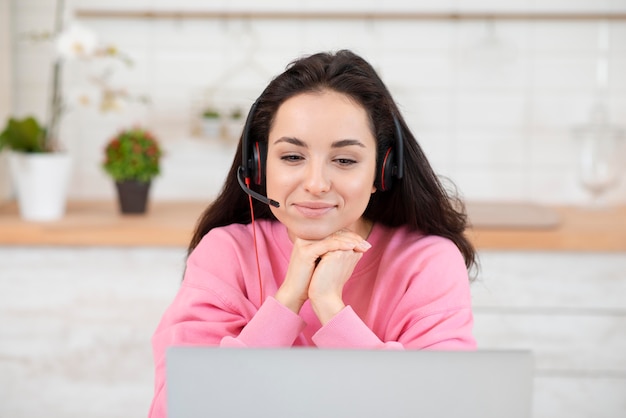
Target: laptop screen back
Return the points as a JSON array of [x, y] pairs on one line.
[[307, 382]]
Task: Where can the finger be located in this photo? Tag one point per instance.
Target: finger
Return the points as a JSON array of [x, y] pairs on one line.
[[343, 243], [334, 269], [332, 242], [352, 240]]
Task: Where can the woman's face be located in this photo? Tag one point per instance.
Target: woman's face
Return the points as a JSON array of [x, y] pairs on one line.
[[321, 164]]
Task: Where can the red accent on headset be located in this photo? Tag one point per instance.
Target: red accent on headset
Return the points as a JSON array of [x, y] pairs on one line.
[[382, 170], [258, 164]]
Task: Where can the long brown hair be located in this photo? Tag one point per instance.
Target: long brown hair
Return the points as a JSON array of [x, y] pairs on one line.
[[418, 200]]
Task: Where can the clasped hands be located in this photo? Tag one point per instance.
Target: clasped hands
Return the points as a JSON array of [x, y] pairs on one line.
[[318, 271]]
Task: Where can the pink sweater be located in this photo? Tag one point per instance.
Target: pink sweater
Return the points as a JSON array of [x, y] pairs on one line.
[[408, 291]]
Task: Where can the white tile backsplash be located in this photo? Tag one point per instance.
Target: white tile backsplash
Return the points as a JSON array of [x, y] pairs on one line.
[[573, 37], [423, 36], [564, 71], [490, 110], [556, 184], [503, 147], [480, 183], [552, 149], [616, 78], [478, 94], [428, 70], [572, 5], [561, 110]]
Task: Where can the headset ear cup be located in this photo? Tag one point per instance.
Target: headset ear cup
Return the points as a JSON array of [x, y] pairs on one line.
[[259, 156], [391, 162], [385, 174]]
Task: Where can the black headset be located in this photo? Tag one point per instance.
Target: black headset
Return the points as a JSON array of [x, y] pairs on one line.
[[390, 163]]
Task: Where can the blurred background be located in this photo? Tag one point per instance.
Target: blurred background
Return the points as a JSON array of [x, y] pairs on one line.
[[494, 102], [497, 93]]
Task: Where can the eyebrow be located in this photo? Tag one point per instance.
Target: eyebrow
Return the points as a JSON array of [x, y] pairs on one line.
[[347, 143], [337, 144]]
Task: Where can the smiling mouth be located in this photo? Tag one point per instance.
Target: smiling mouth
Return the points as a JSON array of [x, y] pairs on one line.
[[313, 211]]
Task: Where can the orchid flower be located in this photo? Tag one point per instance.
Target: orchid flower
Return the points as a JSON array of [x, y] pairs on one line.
[[77, 42]]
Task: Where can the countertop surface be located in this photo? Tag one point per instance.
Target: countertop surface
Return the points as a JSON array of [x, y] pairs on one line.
[[497, 226]]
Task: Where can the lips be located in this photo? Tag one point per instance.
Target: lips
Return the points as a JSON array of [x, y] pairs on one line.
[[313, 209]]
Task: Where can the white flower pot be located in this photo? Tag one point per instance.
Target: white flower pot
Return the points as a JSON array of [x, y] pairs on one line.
[[41, 181], [235, 128], [212, 127], [6, 188]]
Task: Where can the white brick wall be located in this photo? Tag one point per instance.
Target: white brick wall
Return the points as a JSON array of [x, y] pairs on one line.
[[493, 106]]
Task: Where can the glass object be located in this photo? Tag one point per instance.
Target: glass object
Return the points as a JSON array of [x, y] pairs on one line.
[[600, 157]]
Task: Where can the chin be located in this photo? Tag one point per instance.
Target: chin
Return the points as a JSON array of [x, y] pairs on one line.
[[312, 233]]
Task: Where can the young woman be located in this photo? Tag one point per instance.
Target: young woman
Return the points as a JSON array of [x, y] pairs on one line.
[[350, 241]]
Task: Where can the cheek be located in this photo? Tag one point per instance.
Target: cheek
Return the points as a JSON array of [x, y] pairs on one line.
[[274, 180], [359, 187]]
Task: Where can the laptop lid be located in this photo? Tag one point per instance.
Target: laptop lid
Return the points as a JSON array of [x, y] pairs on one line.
[[309, 382]]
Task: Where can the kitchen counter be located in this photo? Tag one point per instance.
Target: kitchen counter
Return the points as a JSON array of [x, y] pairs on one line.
[[497, 226], [100, 223]]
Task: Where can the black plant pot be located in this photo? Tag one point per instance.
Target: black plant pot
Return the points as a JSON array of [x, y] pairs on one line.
[[132, 195]]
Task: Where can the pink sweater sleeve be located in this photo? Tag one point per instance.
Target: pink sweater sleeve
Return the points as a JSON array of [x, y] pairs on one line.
[[448, 331], [425, 303], [211, 311], [346, 329], [191, 322]]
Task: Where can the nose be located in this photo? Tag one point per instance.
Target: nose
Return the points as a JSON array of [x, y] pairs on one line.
[[316, 179]]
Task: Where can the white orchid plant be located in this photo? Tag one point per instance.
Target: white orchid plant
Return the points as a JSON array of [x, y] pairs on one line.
[[77, 42]]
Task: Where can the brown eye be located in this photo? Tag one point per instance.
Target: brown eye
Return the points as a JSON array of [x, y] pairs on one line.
[[291, 158], [345, 161]]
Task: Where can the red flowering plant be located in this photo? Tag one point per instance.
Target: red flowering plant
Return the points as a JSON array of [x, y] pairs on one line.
[[133, 154]]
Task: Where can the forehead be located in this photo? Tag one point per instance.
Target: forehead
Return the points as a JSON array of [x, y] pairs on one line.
[[325, 96], [325, 112]]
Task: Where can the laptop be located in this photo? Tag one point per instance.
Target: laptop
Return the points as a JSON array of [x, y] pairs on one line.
[[309, 382]]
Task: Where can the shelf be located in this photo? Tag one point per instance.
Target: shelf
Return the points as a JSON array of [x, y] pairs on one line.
[[348, 15]]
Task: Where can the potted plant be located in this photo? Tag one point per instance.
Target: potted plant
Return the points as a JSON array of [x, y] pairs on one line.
[[40, 172], [235, 123], [39, 165], [25, 135], [211, 122], [132, 159]]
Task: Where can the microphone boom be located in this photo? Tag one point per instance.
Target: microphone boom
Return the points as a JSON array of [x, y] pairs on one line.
[[252, 193]]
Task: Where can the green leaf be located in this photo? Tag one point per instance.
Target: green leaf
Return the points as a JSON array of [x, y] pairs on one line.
[[25, 135]]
